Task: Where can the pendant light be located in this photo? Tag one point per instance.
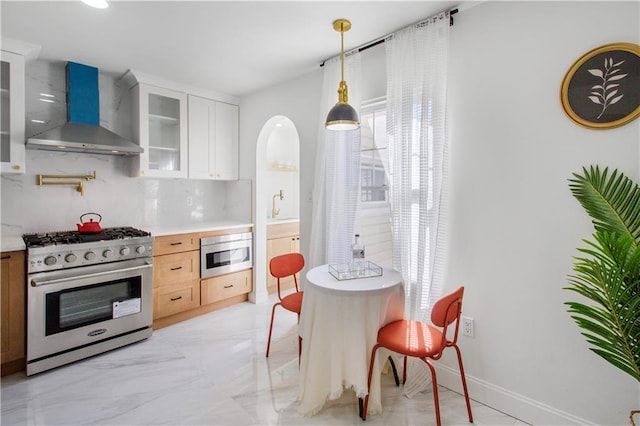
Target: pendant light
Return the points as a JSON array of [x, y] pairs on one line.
[[342, 116]]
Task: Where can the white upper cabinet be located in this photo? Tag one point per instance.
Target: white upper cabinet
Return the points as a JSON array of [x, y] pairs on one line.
[[186, 132], [202, 153], [12, 110], [226, 141], [213, 139], [160, 128]]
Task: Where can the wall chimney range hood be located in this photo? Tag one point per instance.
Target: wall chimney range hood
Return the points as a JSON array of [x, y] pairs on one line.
[[82, 132]]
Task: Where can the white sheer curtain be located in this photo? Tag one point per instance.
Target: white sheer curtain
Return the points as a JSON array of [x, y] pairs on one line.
[[417, 60], [336, 188]]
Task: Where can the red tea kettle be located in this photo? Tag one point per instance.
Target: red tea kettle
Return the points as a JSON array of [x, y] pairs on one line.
[[90, 227]]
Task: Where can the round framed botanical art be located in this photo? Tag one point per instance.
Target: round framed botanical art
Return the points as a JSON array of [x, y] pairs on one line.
[[602, 89]]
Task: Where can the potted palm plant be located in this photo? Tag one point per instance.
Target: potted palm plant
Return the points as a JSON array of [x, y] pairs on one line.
[[607, 271]]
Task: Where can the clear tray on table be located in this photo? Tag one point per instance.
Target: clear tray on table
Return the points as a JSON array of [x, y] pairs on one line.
[[350, 271]]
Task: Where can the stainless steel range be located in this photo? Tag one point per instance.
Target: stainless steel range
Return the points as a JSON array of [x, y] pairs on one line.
[[86, 294]]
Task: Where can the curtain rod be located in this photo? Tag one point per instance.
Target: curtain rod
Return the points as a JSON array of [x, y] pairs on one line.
[[381, 40]]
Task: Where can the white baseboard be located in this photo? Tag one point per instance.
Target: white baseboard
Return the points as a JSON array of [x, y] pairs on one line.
[[519, 406]]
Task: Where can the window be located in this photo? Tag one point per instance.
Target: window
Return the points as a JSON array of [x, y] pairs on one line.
[[373, 219], [374, 155]]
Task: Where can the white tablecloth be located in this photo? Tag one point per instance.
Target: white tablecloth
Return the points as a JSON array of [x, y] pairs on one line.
[[339, 326]]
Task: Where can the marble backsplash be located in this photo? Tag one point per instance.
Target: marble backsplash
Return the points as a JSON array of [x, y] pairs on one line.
[[122, 200]]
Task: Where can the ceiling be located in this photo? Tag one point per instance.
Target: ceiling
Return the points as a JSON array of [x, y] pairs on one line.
[[233, 47]]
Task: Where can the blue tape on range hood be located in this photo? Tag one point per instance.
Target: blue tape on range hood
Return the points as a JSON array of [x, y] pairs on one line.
[[83, 95]]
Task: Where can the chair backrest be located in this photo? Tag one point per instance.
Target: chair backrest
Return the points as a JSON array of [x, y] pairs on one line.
[[446, 311], [286, 265]]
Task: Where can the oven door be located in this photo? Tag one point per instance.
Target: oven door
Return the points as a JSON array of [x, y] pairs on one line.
[[225, 257], [77, 307]]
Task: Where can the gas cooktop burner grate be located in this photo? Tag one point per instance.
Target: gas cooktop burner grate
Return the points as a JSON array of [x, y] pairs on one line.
[[75, 237]]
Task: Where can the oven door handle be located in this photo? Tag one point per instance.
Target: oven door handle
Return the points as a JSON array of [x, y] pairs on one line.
[[38, 283]]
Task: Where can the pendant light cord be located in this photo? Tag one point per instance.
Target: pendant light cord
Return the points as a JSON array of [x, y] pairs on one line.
[[342, 50]]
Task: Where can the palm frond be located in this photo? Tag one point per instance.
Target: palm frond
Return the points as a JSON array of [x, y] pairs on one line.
[[610, 278], [613, 202]]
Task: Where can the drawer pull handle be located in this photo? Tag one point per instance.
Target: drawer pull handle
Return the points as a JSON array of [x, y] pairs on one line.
[[173, 299], [5, 257], [176, 244], [176, 268], [228, 286]]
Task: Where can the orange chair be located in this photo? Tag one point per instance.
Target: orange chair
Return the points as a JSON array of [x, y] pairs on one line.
[[420, 340], [283, 266]]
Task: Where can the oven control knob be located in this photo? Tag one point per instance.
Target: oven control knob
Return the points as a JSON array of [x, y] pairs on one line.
[[124, 251], [140, 249], [50, 260], [89, 255], [107, 253], [70, 258]]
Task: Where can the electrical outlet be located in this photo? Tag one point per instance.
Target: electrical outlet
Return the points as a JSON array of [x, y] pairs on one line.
[[467, 326]]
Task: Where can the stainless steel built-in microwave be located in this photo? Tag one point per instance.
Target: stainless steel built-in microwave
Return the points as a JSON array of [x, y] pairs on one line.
[[225, 253]]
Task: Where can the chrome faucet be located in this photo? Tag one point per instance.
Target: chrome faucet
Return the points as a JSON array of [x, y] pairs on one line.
[[275, 212]]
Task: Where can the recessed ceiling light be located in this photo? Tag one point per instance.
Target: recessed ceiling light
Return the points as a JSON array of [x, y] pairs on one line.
[[98, 4]]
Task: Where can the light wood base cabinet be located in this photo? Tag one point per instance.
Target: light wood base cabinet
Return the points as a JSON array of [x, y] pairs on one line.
[[177, 298], [179, 293], [176, 275], [225, 286], [282, 238], [175, 244], [12, 310]]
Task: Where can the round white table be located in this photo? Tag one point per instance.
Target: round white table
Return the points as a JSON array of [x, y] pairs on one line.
[[339, 326]]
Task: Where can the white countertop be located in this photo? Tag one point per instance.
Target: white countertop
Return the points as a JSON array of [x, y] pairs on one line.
[[286, 220], [15, 242], [12, 243], [161, 230]]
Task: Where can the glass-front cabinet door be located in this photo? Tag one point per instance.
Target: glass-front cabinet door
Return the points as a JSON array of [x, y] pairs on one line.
[[12, 111], [162, 132]]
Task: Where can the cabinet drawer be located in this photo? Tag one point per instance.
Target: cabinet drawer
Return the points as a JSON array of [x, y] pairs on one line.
[[279, 230], [178, 267], [175, 244], [180, 297], [225, 286]]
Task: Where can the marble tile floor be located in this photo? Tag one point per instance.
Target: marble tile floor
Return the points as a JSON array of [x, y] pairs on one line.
[[210, 370]]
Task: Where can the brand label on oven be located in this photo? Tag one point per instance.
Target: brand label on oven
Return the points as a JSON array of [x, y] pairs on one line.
[[127, 307]]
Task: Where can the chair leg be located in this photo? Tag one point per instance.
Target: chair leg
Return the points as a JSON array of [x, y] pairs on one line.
[[299, 349], [273, 313], [363, 412], [395, 370], [404, 371], [434, 382], [464, 383]]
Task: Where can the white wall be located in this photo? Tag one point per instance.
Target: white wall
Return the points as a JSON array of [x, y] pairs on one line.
[[299, 101], [514, 226], [283, 171]]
